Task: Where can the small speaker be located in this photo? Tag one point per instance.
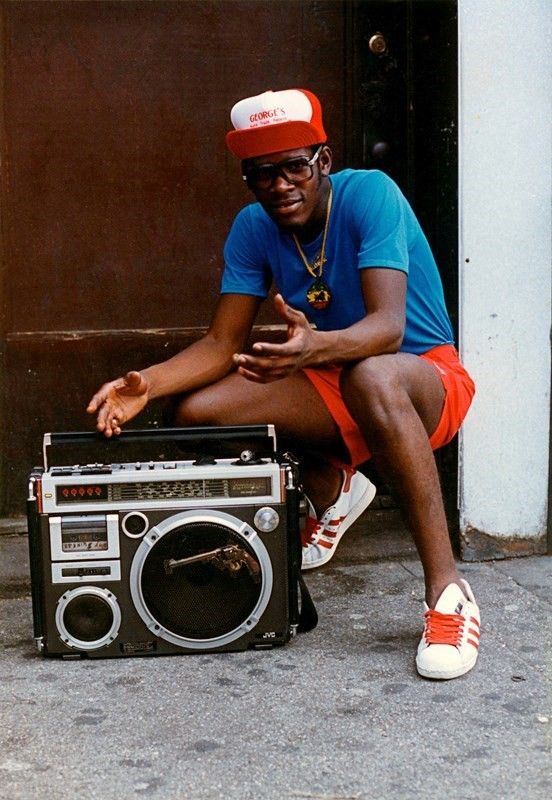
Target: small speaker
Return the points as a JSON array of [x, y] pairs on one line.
[[88, 618]]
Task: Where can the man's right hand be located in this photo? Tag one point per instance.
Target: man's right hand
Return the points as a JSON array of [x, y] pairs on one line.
[[119, 401]]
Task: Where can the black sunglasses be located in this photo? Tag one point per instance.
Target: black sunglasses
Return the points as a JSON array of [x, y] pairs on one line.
[[293, 170]]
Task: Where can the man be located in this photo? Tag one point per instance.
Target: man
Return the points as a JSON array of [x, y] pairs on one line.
[[378, 375]]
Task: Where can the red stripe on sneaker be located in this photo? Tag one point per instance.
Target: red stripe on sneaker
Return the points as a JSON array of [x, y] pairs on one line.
[[475, 621], [327, 545], [474, 632], [475, 644], [310, 531]]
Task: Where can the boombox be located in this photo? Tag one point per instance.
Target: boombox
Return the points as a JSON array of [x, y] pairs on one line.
[[167, 556]]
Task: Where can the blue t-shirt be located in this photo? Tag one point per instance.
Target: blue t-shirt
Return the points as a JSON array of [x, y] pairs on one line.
[[371, 225]]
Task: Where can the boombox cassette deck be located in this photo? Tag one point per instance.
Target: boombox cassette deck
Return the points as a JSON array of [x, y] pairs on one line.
[[166, 556]]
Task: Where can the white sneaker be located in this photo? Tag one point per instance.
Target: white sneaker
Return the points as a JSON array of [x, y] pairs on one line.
[[321, 536], [450, 642]]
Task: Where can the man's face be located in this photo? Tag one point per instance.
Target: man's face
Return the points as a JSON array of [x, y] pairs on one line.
[[294, 205]]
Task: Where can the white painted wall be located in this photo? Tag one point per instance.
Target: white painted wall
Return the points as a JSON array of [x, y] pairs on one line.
[[505, 262]]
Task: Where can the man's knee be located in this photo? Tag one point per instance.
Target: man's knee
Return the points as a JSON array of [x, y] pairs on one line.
[[374, 375], [373, 391]]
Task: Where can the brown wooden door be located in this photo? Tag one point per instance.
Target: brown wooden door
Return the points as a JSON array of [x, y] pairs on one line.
[[117, 191]]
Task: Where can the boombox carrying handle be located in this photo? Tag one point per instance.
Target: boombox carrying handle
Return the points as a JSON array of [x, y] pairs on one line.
[[197, 435]]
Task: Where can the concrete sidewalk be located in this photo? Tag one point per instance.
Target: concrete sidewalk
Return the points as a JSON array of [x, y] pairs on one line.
[[337, 714]]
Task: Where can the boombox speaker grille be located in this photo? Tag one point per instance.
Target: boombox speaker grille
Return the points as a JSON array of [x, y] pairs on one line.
[[88, 618], [206, 598], [201, 582]]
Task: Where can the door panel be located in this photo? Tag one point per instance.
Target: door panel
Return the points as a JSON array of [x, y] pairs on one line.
[[119, 187], [404, 80], [117, 191], [405, 84]]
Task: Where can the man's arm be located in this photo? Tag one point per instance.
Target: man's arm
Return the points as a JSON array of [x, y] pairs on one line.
[[380, 331], [204, 362]]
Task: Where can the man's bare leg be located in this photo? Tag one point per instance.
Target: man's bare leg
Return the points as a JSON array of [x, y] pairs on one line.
[[396, 400]]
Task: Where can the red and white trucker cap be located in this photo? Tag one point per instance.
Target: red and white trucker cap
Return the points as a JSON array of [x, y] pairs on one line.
[[275, 121]]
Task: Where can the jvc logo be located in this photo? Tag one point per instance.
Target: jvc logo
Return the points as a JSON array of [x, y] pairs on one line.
[[269, 635]]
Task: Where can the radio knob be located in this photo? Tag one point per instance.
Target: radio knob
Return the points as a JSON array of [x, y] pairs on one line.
[[266, 519], [204, 461]]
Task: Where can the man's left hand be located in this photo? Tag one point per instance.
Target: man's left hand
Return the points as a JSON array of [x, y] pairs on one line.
[[271, 362]]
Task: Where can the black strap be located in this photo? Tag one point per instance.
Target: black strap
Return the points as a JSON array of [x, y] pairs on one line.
[[308, 615]]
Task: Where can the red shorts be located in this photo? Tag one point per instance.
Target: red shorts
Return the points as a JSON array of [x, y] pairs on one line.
[[459, 391]]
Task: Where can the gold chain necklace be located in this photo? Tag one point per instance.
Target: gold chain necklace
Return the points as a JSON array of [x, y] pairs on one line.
[[318, 293]]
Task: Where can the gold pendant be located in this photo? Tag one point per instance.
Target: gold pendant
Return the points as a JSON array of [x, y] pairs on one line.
[[318, 295]]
